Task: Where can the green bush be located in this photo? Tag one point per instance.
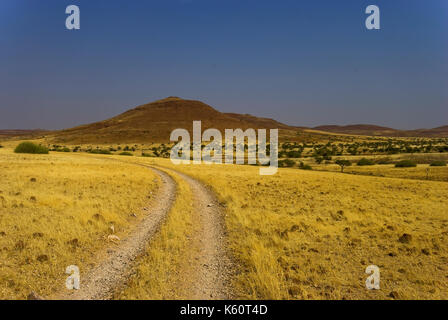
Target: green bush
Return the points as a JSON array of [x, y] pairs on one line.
[[125, 154], [365, 162], [405, 164], [305, 166], [386, 160], [439, 163], [286, 163], [293, 154], [29, 147], [60, 149]]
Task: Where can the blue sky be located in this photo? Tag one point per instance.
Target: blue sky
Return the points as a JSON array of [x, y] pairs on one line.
[[300, 62]]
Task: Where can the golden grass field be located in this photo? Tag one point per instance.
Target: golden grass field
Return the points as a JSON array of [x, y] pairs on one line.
[[421, 172], [310, 235], [56, 210], [294, 235]]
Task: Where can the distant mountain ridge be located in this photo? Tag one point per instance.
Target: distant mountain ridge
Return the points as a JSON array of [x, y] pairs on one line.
[[373, 130], [20, 132]]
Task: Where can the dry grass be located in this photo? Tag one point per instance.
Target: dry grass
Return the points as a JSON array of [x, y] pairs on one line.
[[56, 210], [295, 235], [161, 272], [310, 235], [421, 172]]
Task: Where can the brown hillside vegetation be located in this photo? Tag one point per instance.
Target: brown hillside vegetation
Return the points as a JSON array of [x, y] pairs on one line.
[[21, 133], [259, 122], [437, 132], [154, 122], [373, 130]]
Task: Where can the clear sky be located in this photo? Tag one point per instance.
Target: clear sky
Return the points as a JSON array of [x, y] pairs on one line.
[[302, 62]]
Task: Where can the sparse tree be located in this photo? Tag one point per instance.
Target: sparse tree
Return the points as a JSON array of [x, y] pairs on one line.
[[343, 164]]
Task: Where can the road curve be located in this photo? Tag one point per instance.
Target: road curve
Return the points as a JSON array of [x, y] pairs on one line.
[[115, 268], [207, 276]]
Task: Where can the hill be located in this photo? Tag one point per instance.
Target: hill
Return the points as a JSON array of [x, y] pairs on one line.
[[373, 130], [257, 122], [435, 132], [358, 129], [154, 122], [10, 133]]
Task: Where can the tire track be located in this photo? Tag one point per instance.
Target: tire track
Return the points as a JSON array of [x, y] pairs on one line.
[[115, 268], [209, 275]]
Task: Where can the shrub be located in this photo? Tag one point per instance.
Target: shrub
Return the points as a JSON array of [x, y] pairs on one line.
[[440, 163], [29, 147], [365, 162], [99, 151], [1, 146], [405, 164], [60, 149], [384, 161], [293, 154], [146, 155], [125, 154], [286, 163], [304, 166]]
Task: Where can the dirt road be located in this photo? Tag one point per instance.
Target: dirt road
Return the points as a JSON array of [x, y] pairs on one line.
[[206, 277]]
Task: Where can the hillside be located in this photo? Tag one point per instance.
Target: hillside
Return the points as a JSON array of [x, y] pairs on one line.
[[358, 129], [257, 122], [435, 132], [154, 122], [373, 130], [10, 133]]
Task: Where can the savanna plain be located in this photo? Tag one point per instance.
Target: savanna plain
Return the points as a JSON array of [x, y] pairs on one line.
[[307, 232]]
